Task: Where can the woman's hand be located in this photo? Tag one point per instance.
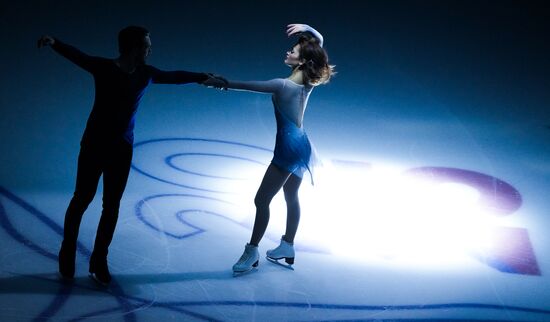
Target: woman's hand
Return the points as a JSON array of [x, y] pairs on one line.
[[295, 28]]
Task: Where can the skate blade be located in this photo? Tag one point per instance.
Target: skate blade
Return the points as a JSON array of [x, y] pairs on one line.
[[95, 279], [276, 261], [237, 274]]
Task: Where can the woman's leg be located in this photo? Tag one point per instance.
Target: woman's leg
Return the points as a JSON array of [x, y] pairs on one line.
[[272, 182], [290, 188]]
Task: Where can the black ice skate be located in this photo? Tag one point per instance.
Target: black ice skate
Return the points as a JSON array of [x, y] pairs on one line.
[[99, 271]]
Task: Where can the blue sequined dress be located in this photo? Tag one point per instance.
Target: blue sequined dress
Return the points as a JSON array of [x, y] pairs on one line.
[[293, 150]]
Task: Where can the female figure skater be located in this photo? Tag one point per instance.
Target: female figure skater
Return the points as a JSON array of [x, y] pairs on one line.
[[293, 153]]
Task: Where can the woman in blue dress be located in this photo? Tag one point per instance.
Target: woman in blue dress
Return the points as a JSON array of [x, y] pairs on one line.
[[293, 154]]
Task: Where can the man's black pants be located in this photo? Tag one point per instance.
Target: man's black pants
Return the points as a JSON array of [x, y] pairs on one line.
[[113, 161]]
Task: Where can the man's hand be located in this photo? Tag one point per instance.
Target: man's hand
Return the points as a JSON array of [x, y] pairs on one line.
[[45, 41]]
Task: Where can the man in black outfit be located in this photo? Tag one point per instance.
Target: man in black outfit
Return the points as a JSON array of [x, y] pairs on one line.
[[106, 146]]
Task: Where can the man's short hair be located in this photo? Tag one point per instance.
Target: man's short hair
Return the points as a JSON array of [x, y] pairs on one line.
[[131, 37]]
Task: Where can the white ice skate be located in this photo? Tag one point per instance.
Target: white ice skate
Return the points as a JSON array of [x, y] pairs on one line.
[[284, 250], [248, 261]]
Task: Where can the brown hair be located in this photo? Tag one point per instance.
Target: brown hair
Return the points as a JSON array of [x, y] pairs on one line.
[[316, 69]]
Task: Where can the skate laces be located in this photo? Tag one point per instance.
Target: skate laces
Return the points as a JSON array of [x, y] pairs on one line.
[[244, 257], [248, 254]]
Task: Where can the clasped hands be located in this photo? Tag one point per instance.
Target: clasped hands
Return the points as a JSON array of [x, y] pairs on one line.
[[215, 81]]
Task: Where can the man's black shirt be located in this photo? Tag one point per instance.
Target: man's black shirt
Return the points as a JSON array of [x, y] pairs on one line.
[[117, 93]]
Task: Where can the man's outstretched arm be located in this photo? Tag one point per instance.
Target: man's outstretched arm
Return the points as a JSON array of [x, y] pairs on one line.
[[71, 53], [177, 77]]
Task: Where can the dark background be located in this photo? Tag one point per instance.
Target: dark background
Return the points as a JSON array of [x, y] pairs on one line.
[[481, 64]]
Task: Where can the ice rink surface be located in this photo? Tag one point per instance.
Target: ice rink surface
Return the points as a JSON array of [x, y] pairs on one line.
[[376, 242]]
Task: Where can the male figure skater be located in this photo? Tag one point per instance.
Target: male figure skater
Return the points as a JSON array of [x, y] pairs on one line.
[[106, 146]]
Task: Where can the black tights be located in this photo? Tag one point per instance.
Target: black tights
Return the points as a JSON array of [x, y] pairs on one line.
[[273, 180], [113, 162]]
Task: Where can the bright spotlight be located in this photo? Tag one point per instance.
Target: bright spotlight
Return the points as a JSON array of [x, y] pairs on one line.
[[382, 213]]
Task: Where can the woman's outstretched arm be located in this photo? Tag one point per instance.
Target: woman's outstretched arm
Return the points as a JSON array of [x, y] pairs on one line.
[[269, 86], [294, 28]]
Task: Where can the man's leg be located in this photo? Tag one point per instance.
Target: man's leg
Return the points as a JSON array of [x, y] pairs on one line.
[[115, 176], [87, 178]]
